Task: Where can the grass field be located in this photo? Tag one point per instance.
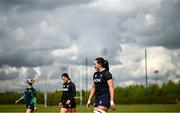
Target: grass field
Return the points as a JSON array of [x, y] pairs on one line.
[[120, 108]]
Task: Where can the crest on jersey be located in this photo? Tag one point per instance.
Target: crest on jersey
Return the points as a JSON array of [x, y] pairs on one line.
[[100, 102], [95, 75]]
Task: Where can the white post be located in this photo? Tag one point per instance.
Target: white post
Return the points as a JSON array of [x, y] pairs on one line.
[[81, 86], [45, 92]]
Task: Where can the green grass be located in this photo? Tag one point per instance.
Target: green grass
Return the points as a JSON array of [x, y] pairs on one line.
[[120, 108]]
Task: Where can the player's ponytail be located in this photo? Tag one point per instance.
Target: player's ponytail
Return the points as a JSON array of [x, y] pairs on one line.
[[104, 63]]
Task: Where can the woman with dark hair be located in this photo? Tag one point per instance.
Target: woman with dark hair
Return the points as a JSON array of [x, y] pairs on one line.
[[103, 87], [29, 96], [67, 102]]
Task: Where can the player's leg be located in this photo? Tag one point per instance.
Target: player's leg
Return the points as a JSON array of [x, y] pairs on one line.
[[95, 109], [72, 110], [96, 104], [28, 110], [64, 107], [64, 110], [102, 109]]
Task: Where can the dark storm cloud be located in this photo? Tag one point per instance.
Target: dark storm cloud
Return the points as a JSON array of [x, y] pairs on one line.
[[170, 20], [28, 30], [32, 5], [25, 58], [41, 37], [165, 32], [21, 43]]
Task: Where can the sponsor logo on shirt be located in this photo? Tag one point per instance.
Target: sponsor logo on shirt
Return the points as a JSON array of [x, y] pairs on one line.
[[97, 80], [65, 89]]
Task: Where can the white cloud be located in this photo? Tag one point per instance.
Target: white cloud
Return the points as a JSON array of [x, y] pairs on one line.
[[160, 59], [73, 50], [149, 20], [128, 83], [133, 63]]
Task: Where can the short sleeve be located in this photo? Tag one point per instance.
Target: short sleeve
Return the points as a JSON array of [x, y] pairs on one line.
[[108, 76], [94, 75]]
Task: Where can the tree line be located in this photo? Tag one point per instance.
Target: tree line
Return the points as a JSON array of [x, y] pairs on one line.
[[167, 93]]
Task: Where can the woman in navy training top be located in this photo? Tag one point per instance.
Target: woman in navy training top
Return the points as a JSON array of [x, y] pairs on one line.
[[103, 87], [67, 102]]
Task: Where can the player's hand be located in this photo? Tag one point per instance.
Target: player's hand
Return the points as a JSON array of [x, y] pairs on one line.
[[60, 104], [68, 102], [35, 108], [88, 104], [16, 101], [113, 107]]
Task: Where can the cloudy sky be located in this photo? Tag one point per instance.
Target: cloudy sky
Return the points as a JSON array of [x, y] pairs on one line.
[[43, 38]]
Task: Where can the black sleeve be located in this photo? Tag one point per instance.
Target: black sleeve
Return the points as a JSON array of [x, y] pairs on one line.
[[108, 76], [62, 96], [73, 91]]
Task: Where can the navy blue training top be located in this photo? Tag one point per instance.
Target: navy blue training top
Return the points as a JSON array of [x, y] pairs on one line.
[[69, 91], [29, 94], [100, 80]]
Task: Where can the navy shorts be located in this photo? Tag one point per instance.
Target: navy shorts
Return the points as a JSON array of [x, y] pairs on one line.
[[30, 106], [102, 100], [72, 104]]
